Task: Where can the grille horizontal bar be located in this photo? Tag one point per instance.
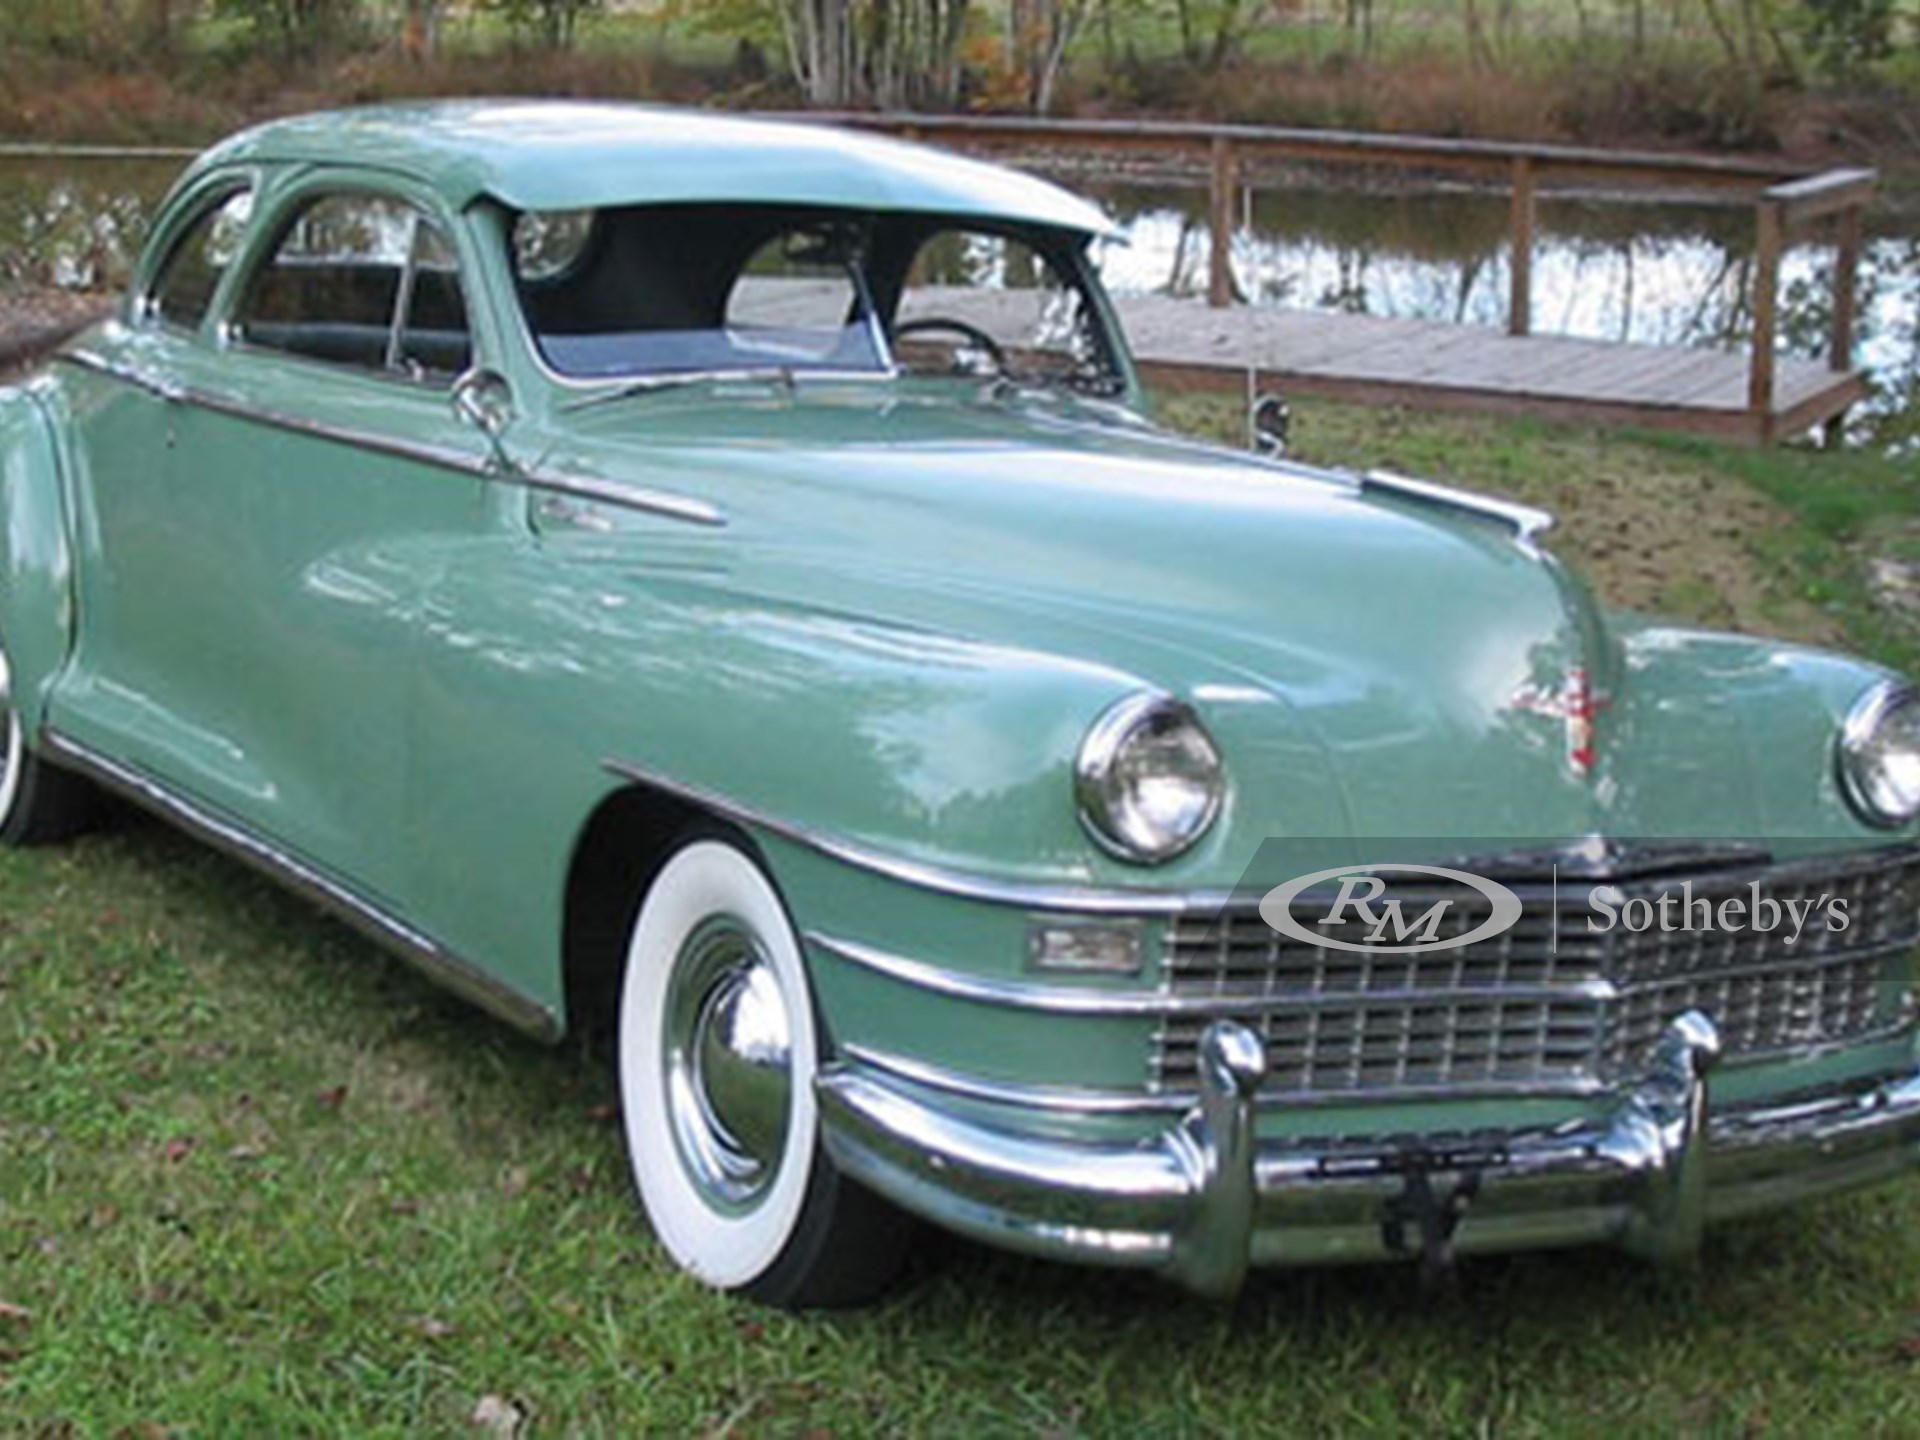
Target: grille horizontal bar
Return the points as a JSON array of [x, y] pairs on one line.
[[1548, 1005]]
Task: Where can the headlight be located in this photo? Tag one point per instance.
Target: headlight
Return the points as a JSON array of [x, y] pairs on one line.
[[1880, 755], [1148, 780]]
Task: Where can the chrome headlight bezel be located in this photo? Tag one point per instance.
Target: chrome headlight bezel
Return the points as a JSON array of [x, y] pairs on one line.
[[1868, 793], [1116, 824]]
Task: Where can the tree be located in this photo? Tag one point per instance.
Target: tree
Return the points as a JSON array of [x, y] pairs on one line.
[[894, 53], [1211, 30], [420, 34], [298, 27], [1846, 36], [1041, 32], [553, 24]]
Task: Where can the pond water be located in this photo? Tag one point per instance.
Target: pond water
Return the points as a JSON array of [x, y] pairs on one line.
[[1664, 273]]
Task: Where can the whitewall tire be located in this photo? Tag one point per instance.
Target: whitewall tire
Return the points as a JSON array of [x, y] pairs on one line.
[[717, 1054], [38, 803], [15, 748]]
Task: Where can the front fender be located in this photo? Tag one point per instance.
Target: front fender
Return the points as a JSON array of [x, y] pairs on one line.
[[1733, 736], [542, 667], [36, 556]]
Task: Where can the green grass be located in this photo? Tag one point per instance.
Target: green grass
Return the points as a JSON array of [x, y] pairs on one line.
[[255, 1179]]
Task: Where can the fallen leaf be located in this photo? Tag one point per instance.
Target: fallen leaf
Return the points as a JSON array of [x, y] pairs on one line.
[[517, 1181], [433, 1328], [178, 1148], [12, 1314], [245, 1152], [499, 1417], [604, 1114], [332, 1098]]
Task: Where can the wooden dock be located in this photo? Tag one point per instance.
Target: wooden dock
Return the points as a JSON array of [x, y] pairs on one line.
[[1755, 398], [1424, 364]]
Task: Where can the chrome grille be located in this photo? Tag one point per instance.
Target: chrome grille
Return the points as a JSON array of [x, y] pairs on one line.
[[1546, 1005]]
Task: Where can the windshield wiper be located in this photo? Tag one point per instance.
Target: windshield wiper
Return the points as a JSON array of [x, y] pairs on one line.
[[652, 384]]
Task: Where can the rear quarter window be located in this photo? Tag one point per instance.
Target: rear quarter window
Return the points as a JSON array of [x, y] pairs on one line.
[[192, 271]]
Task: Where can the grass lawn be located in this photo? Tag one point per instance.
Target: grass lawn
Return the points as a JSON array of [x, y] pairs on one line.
[[255, 1179]]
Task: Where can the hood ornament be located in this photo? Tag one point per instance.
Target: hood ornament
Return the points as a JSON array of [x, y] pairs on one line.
[[1575, 703]]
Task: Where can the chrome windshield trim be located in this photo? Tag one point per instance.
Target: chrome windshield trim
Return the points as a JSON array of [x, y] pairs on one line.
[[607, 389], [1157, 1002], [241, 843], [923, 875], [1059, 1099], [607, 492]]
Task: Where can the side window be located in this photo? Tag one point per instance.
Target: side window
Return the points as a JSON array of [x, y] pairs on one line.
[[365, 281], [184, 288]]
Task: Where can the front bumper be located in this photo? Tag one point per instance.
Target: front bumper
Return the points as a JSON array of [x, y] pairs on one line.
[[1205, 1200]]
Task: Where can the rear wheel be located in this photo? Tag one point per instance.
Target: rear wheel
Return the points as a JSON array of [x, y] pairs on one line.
[[38, 802], [717, 1056]]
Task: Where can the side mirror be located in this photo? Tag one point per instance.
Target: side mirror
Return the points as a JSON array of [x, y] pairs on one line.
[[1270, 424], [484, 400]]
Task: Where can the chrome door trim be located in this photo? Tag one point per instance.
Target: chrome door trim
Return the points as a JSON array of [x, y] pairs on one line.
[[606, 492], [242, 843]]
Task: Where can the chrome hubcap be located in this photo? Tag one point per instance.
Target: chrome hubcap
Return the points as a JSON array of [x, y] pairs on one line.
[[729, 1056]]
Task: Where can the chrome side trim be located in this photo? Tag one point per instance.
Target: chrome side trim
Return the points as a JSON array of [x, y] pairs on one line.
[[1140, 1001], [1528, 523], [1055, 1099], [961, 884], [629, 497], [337, 899], [606, 492]]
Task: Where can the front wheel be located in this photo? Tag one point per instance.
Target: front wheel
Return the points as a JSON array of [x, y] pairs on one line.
[[717, 1056], [38, 803]]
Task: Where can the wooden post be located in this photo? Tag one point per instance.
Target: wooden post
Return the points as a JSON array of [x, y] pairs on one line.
[[1768, 236], [1221, 193], [1520, 260], [1846, 268]]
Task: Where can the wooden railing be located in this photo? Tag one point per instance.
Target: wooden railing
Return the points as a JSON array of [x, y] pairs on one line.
[[1785, 199]]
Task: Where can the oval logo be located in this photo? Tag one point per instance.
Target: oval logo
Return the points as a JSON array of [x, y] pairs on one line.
[[1391, 927]]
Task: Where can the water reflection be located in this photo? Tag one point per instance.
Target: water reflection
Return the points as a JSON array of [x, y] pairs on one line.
[[1656, 273], [1663, 274]]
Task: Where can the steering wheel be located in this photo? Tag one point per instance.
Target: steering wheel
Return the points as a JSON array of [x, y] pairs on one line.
[[972, 333]]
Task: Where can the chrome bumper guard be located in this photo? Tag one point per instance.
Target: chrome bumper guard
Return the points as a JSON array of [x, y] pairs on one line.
[[1204, 1201]]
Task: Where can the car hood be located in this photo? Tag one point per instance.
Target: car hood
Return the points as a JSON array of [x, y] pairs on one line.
[[1373, 663]]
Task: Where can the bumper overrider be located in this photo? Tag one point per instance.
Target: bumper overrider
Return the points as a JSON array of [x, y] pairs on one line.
[[1206, 1199]]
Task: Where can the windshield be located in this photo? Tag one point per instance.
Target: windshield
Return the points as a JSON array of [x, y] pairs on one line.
[[668, 291]]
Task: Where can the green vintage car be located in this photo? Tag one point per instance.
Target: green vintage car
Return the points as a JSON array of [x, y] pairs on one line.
[[717, 581]]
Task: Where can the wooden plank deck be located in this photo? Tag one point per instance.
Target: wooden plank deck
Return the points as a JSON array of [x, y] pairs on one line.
[[1424, 364]]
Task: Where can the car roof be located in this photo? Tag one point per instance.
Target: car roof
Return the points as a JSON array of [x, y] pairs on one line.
[[563, 155]]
